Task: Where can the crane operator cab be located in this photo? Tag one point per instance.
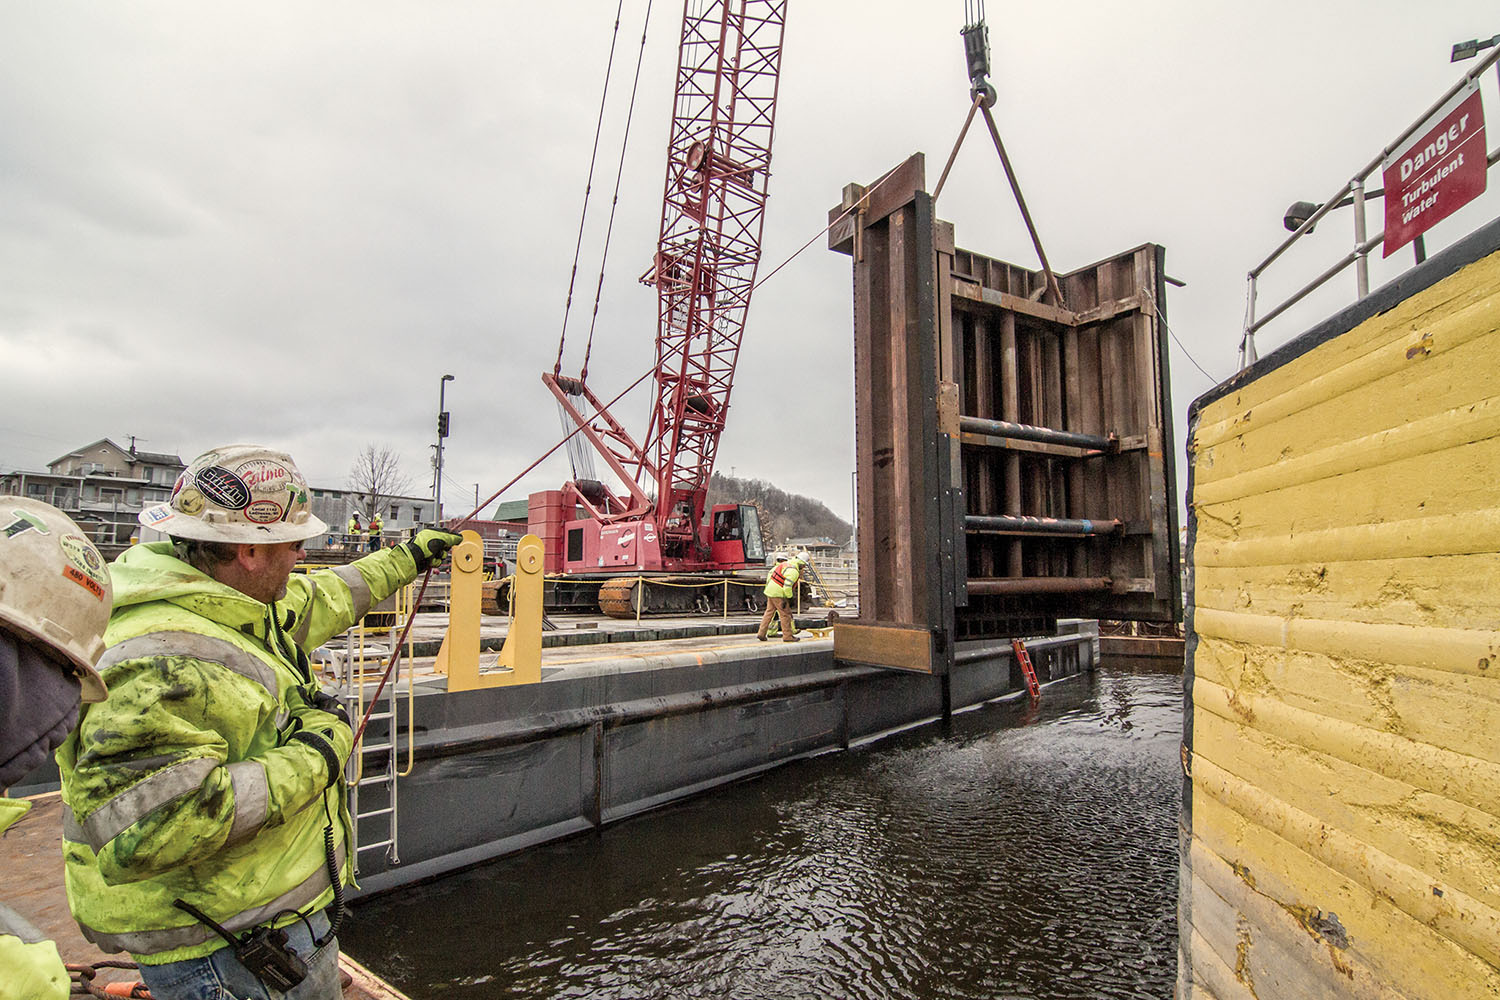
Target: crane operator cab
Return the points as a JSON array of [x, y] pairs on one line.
[[736, 537]]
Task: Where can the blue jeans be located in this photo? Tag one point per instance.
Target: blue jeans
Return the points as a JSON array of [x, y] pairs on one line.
[[220, 976]]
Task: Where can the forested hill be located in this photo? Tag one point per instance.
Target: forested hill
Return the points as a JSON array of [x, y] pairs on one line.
[[784, 515]]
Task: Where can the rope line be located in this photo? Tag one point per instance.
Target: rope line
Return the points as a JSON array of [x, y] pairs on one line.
[[1175, 339], [824, 231]]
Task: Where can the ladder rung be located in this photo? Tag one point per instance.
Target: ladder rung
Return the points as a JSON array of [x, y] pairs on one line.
[[362, 782], [366, 747], [380, 715], [371, 847], [377, 812]]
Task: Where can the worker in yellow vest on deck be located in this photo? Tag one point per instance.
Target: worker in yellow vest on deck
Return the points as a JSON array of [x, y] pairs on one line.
[[54, 604], [353, 538], [781, 587], [377, 526], [205, 825]]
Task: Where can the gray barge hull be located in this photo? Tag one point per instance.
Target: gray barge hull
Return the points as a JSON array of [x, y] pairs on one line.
[[499, 770]]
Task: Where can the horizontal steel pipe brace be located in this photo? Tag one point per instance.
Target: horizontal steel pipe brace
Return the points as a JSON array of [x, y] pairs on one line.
[[1021, 525], [1007, 585], [1046, 435]]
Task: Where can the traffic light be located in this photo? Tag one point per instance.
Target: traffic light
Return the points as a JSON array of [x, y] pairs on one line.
[[443, 424]]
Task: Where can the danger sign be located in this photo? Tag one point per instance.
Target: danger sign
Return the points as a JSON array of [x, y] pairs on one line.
[[1436, 172]]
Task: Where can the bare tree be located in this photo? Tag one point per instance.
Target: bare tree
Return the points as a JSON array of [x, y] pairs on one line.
[[375, 475]]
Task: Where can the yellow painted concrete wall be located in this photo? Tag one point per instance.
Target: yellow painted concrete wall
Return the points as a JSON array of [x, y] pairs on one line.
[[1345, 764]]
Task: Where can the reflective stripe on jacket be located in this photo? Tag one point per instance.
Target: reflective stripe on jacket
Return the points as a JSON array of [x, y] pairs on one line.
[[185, 783]]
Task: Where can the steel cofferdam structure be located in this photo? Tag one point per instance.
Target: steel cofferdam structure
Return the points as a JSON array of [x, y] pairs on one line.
[[704, 270]]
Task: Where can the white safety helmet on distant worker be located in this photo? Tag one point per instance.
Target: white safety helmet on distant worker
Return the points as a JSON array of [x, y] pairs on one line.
[[241, 494], [54, 586]]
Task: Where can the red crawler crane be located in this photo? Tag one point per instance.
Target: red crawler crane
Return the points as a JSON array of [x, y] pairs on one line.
[[718, 168]]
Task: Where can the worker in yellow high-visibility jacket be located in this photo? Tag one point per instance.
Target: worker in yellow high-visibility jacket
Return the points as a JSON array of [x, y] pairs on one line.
[[205, 797], [781, 587]]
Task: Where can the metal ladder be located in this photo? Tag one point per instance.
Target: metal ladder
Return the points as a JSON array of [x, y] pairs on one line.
[[355, 772], [1023, 657]]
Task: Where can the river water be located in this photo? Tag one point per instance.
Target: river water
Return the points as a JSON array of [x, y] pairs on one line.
[[1016, 853]]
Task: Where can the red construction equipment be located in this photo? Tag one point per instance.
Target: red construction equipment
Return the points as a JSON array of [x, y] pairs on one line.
[[718, 167]]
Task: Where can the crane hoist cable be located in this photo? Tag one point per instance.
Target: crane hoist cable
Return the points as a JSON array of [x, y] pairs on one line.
[[583, 373], [588, 186]]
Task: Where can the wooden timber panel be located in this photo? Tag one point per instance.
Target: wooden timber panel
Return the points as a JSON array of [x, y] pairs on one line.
[[1341, 819], [934, 322], [1095, 364], [905, 506]]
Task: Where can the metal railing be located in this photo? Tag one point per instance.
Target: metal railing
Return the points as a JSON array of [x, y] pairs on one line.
[[1353, 191]]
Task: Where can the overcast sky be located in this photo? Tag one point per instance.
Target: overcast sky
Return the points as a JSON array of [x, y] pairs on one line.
[[283, 222]]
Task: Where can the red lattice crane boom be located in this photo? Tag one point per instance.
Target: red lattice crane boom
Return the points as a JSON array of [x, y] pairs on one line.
[[704, 269]]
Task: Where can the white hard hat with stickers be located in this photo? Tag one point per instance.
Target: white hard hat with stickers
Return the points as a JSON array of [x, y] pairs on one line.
[[54, 586], [242, 493]]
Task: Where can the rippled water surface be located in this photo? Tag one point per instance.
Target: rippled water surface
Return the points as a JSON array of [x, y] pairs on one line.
[[1018, 853]]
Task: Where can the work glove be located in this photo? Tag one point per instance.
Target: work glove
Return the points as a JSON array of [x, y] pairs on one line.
[[323, 731], [330, 703], [430, 545]]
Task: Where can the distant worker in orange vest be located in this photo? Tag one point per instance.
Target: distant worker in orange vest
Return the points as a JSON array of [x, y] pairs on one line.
[[376, 527], [781, 586]]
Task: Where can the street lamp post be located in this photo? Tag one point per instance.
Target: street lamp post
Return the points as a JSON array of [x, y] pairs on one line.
[[442, 432]]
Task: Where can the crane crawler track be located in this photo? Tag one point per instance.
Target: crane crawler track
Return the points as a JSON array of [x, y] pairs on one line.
[[678, 595]]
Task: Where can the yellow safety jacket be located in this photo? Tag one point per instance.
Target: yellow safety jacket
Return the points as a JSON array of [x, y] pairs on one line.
[[29, 969], [354, 526], [185, 783], [783, 579], [376, 527]]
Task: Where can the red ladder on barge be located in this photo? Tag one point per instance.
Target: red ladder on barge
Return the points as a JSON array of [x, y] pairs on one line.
[[1027, 670]]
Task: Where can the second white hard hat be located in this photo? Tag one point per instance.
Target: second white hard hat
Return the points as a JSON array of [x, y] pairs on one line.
[[54, 586], [241, 493]]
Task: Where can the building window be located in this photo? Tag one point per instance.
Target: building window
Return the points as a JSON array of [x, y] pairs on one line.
[[395, 511], [416, 514]]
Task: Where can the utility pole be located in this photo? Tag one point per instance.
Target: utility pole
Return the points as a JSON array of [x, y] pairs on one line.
[[442, 432]]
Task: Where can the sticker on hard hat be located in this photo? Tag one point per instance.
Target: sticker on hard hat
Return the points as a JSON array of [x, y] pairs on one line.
[[156, 515], [223, 487], [24, 521], [92, 586], [190, 502], [263, 511], [83, 555], [263, 476]]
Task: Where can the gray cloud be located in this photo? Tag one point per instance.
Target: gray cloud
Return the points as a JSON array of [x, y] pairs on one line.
[[285, 222]]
